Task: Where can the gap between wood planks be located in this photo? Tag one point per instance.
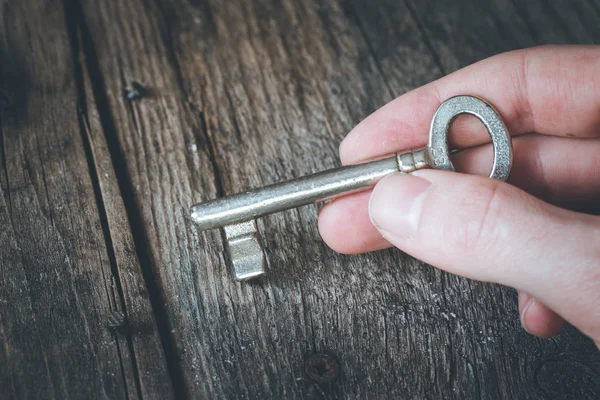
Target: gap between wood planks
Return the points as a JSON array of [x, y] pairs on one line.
[[87, 68], [75, 41]]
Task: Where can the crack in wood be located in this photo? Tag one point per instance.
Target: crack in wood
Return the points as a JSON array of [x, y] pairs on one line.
[[75, 39], [5, 168], [81, 43]]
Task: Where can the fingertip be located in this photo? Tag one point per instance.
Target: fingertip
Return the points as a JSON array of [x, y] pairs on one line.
[[345, 148], [538, 320], [395, 205], [345, 227], [358, 143], [328, 229], [523, 301], [399, 125]]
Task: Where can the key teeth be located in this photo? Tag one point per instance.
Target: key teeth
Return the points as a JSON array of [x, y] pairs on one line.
[[246, 252]]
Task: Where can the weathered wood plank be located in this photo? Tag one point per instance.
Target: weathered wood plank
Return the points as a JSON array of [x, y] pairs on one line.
[[145, 341], [457, 38], [551, 362], [157, 139], [62, 272], [248, 93], [281, 99]]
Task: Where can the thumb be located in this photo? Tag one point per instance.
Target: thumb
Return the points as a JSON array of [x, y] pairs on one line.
[[488, 230]]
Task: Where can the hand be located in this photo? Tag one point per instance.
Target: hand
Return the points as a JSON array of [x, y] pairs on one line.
[[530, 233]]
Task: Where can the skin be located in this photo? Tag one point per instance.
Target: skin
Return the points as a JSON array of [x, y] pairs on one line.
[[536, 232]]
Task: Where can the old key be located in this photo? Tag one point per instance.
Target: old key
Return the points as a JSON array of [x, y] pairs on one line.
[[237, 213]]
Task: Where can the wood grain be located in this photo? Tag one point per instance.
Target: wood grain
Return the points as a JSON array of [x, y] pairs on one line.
[[271, 88], [63, 273], [153, 105]]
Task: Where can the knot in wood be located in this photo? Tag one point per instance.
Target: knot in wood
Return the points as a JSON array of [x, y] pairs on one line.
[[322, 368]]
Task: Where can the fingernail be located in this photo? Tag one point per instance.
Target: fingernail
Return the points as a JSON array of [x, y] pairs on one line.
[[395, 204], [529, 303], [523, 300]]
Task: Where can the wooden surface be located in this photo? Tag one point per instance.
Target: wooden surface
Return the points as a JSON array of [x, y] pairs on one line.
[[116, 116]]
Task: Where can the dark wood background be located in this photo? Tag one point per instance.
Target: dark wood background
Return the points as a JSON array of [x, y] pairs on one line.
[[117, 115]]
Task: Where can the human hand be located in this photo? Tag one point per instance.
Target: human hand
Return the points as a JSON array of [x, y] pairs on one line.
[[530, 233]]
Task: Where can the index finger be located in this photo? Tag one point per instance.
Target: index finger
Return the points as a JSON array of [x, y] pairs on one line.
[[553, 90]]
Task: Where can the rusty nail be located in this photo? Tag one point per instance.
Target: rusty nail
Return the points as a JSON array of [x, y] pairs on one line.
[[135, 91], [117, 321]]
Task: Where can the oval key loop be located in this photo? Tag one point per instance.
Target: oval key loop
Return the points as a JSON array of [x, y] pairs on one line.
[[445, 115]]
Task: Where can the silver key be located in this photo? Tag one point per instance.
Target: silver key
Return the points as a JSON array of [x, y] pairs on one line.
[[237, 214]]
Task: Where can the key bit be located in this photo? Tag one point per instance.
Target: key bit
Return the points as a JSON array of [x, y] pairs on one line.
[[237, 214], [245, 249]]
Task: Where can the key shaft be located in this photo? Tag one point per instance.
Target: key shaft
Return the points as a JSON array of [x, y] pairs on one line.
[[302, 191]]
